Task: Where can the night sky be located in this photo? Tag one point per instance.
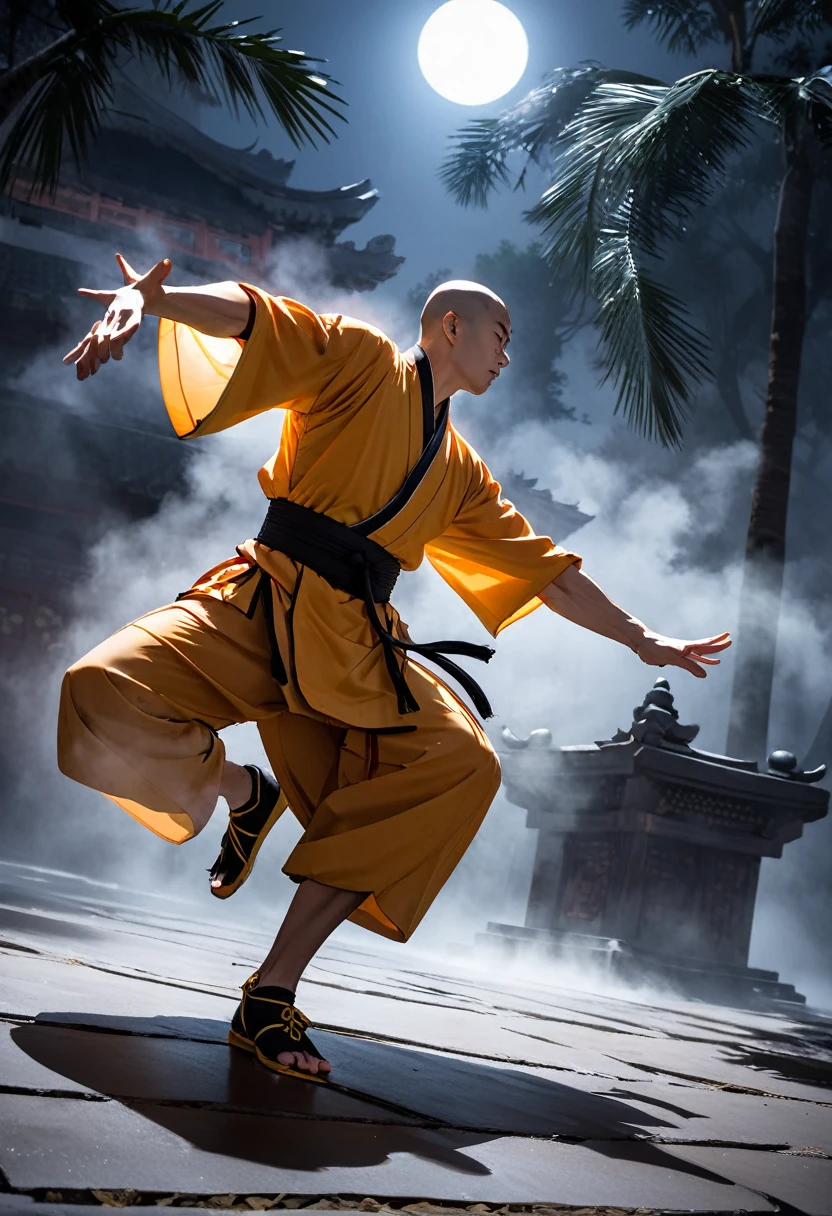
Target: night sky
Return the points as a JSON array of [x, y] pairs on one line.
[[398, 126]]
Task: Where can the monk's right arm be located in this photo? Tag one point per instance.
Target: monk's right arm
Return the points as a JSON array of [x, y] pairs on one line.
[[220, 310]]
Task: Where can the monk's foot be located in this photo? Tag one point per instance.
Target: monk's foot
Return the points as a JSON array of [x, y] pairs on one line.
[[248, 827], [267, 1024]]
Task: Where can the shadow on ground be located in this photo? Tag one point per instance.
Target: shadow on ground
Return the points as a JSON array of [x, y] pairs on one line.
[[179, 1073]]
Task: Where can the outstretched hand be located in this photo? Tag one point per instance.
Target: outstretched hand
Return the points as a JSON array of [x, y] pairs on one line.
[[659, 651], [125, 308]]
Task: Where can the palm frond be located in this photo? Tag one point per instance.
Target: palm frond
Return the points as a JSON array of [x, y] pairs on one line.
[[816, 88], [673, 155], [649, 350], [665, 145], [783, 20], [637, 160], [232, 64], [65, 107], [480, 153], [477, 164], [249, 71], [814, 94], [684, 26]]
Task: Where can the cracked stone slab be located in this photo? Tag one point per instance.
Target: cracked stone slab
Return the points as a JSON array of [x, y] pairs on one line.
[[20, 1071], [718, 1063], [32, 984], [28, 979], [434, 1086], [805, 1183], [541, 995], [72, 1143], [188, 953], [462, 1031], [24, 1205], [696, 1113], [167, 1070], [61, 991], [810, 1055]]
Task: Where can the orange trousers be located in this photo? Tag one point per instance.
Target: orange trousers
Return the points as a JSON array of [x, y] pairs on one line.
[[389, 814]]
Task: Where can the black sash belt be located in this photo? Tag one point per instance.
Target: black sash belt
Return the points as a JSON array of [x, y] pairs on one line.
[[359, 566]]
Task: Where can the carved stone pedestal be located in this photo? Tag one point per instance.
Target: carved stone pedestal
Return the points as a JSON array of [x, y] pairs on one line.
[[649, 852]]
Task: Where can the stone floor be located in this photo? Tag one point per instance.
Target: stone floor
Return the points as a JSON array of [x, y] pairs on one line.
[[452, 1089]]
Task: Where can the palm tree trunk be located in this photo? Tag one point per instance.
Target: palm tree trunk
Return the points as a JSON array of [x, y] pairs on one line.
[[17, 81], [766, 545]]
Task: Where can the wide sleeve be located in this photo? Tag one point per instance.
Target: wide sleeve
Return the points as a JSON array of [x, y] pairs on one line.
[[491, 557], [209, 384]]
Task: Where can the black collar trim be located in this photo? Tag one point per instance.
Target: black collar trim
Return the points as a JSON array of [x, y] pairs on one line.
[[434, 430]]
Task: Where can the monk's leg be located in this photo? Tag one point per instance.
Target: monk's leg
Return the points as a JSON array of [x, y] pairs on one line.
[[235, 784], [399, 812], [313, 915], [139, 713], [387, 818]]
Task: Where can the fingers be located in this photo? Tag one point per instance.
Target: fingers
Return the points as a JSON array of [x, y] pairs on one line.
[[117, 342], [158, 273], [106, 340], [690, 656], [688, 664], [82, 345], [103, 297], [83, 355], [130, 275], [721, 642], [103, 344]]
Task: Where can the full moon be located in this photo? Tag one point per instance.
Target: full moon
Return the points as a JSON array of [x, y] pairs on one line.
[[473, 51]]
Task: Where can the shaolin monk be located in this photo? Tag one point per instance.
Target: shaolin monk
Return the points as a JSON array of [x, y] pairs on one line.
[[389, 773]]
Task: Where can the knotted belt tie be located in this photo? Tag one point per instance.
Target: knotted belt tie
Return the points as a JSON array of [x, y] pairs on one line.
[[362, 568]]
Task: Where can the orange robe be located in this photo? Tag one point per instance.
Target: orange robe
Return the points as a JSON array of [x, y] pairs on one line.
[[390, 814], [352, 431]]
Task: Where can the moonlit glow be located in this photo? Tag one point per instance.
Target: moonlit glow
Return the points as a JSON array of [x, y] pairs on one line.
[[473, 51]]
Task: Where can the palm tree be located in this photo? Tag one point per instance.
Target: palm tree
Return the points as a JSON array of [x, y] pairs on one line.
[[55, 96], [632, 158]]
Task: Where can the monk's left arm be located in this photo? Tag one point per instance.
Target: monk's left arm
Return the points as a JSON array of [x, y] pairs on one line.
[[576, 597]]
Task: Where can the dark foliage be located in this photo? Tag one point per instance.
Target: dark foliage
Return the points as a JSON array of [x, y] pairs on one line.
[[69, 81]]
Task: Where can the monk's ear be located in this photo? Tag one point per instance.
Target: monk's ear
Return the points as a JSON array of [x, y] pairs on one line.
[[450, 326]]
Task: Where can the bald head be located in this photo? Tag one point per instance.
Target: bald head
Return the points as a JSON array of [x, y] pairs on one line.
[[465, 331], [461, 297]]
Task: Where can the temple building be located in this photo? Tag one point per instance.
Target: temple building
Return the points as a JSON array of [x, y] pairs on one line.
[[648, 852], [153, 185]]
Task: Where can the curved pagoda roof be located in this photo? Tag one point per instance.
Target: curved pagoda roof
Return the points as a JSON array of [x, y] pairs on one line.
[[259, 178], [152, 162]]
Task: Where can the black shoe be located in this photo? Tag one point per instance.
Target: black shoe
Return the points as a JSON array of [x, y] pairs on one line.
[[248, 827], [267, 1023]]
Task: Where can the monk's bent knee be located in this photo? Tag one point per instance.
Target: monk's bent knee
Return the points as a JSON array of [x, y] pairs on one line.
[[474, 752]]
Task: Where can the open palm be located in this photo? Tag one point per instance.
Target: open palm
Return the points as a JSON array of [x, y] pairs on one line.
[[659, 651], [125, 308]]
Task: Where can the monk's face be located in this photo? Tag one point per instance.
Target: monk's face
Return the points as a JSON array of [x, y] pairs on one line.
[[479, 345]]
